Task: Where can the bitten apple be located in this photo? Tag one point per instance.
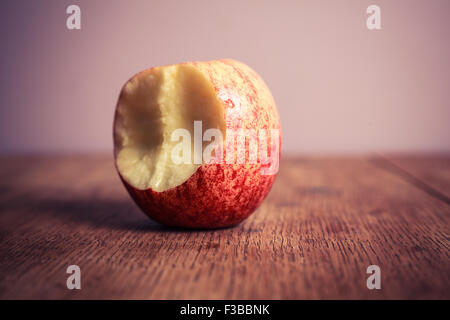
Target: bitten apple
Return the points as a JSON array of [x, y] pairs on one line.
[[224, 95]]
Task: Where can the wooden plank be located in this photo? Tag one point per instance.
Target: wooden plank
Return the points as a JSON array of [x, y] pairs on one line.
[[433, 170], [323, 223]]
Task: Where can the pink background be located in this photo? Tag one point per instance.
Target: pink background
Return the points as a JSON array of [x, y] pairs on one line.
[[339, 87]]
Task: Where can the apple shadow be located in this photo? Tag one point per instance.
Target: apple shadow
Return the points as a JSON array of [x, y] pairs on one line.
[[116, 214], [96, 212]]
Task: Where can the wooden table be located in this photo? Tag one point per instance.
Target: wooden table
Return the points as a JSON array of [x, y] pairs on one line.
[[325, 221]]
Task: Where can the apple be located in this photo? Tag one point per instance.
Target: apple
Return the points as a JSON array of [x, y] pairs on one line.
[[197, 144]]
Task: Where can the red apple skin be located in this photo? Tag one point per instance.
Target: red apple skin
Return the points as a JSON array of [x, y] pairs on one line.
[[220, 195]]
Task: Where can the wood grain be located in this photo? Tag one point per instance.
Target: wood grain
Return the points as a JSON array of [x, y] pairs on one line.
[[432, 170], [324, 222]]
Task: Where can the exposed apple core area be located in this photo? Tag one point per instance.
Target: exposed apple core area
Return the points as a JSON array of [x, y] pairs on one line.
[[151, 106]]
